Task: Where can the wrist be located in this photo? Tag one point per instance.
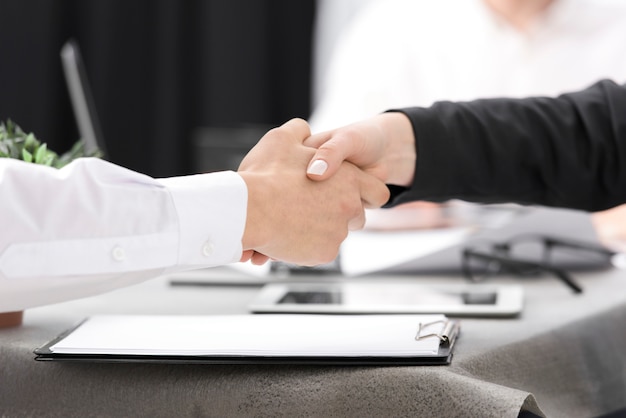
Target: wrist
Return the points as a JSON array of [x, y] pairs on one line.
[[401, 153], [256, 218]]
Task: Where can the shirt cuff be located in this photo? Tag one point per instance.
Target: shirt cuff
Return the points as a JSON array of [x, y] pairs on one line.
[[211, 211]]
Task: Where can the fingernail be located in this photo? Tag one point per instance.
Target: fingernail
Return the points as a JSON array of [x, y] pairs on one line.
[[318, 167]]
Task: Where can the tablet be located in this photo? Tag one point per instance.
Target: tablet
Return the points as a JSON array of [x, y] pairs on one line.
[[383, 297]]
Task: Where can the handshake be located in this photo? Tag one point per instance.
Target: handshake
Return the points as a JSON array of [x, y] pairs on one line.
[[306, 192]]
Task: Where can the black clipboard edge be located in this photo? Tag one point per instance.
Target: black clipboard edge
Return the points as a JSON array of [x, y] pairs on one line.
[[438, 360]]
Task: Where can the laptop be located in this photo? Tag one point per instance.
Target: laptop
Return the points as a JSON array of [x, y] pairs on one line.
[[81, 98]]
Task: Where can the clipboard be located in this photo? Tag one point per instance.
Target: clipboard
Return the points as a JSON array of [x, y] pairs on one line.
[[342, 340]]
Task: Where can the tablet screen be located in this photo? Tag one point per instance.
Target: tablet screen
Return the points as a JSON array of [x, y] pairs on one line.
[[389, 297], [338, 297]]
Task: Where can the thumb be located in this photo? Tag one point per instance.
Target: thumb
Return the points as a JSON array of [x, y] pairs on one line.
[[328, 158]]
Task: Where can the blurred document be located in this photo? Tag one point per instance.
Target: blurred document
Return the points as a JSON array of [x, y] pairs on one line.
[[371, 251]]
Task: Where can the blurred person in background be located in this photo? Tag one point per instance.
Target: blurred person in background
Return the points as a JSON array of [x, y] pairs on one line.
[[399, 53]]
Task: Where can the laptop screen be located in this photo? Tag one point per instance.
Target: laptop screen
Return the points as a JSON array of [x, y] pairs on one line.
[[81, 98]]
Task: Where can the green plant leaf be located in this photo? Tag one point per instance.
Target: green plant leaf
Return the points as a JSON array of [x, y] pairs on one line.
[[31, 143], [40, 154], [15, 143], [48, 160], [27, 156]]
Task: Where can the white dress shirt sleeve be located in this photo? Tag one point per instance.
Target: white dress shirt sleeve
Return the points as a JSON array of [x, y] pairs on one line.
[[93, 226]]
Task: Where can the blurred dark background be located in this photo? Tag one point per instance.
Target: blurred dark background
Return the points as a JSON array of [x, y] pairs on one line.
[[159, 69]]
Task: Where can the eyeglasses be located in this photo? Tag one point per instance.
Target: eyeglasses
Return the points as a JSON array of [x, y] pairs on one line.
[[531, 255]]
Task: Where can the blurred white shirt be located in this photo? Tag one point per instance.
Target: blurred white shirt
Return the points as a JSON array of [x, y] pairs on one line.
[[399, 53], [93, 226]]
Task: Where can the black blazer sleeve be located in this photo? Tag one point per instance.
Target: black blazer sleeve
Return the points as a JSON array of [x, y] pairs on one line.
[[568, 151]]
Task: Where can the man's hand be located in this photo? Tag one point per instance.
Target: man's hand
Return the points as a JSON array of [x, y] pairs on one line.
[[383, 146], [290, 217]]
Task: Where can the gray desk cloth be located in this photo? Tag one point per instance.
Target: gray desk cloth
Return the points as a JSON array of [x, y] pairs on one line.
[[565, 356]]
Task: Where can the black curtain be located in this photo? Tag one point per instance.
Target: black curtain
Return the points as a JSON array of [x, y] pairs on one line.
[[158, 70]]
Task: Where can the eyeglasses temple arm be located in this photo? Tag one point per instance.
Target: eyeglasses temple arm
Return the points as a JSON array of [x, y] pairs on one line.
[[565, 278]]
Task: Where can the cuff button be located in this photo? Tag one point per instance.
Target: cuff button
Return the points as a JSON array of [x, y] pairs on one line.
[[118, 254], [207, 249]]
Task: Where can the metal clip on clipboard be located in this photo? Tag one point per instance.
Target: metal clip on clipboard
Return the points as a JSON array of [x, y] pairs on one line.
[[447, 335]]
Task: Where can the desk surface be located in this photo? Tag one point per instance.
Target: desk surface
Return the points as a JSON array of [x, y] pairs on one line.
[[564, 356]]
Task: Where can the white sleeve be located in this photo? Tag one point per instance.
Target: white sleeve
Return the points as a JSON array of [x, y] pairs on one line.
[[93, 226]]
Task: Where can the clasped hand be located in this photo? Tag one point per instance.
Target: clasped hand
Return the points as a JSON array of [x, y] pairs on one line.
[[293, 218]]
